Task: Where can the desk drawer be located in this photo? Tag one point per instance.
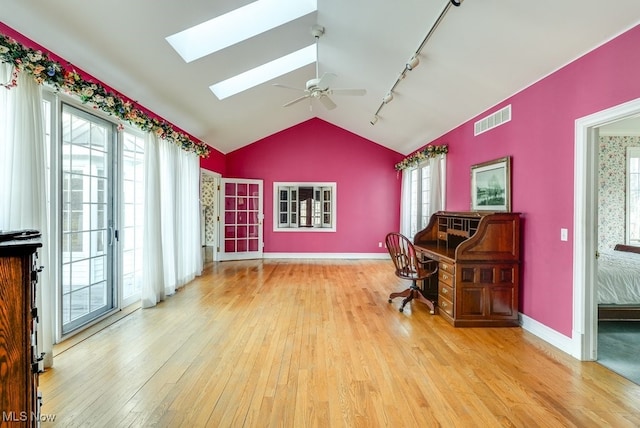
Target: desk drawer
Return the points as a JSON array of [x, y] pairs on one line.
[[445, 291], [445, 305], [442, 236], [445, 277], [446, 267]]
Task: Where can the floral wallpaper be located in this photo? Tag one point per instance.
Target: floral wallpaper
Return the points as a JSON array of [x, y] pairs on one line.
[[611, 189], [208, 198]]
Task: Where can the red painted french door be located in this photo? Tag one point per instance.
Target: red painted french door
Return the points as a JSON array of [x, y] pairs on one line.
[[241, 220]]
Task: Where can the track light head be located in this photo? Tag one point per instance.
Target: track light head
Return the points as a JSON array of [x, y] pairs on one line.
[[413, 62], [374, 120], [456, 3], [317, 31], [387, 98]]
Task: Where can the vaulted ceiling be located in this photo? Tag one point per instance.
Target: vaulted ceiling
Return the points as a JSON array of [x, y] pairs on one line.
[[480, 53]]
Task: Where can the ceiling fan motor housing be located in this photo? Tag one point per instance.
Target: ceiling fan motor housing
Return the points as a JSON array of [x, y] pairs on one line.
[[313, 84]]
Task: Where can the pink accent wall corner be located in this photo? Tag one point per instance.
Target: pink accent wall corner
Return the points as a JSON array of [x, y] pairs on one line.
[[368, 187]]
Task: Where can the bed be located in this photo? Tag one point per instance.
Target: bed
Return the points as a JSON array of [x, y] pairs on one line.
[[619, 283]]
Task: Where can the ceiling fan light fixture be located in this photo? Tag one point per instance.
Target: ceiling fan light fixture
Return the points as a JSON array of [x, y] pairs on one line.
[[413, 62]]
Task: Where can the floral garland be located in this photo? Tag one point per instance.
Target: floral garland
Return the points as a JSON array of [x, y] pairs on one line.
[[44, 70], [419, 156]]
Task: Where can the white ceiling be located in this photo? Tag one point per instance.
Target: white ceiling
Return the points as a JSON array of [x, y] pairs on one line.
[[482, 52]]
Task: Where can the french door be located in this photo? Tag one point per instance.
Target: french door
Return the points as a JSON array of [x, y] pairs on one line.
[[241, 219], [87, 217]]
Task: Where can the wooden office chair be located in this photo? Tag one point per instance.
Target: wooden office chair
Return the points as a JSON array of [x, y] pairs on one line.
[[409, 267]]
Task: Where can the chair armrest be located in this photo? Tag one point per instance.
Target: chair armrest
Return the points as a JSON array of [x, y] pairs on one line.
[[429, 265]]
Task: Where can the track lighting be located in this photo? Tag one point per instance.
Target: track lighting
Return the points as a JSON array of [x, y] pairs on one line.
[[413, 62]]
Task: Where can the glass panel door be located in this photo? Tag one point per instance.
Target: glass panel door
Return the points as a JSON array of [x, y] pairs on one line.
[[87, 218], [241, 236]]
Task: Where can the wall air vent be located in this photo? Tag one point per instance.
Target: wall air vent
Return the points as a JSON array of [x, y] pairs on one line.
[[495, 119]]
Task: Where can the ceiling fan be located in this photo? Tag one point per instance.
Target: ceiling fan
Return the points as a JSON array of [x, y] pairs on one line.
[[320, 87]]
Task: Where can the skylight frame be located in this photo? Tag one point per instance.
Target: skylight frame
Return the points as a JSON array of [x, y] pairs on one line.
[[231, 28], [265, 72]]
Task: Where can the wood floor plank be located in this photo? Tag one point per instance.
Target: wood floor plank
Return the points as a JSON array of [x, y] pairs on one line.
[[289, 343]]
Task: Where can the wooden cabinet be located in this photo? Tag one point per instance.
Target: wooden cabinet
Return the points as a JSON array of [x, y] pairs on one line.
[[478, 256], [19, 357]]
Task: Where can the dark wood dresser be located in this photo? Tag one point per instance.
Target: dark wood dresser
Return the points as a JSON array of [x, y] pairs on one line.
[[478, 254], [20, 361]]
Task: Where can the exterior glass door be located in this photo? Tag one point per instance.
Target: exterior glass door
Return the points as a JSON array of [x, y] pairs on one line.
[[87, 231]]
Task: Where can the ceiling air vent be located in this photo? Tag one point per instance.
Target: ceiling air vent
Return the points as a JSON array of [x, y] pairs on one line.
[[495, 119]]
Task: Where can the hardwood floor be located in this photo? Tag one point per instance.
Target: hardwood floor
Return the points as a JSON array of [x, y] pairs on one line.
[[315, 344]]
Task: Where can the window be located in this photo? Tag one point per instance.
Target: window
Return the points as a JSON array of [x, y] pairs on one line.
[[419, 199], [304, 207], [633, 195]]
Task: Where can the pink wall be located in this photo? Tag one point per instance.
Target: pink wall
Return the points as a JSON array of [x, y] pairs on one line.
[[540, 139], [215, 162], [367, 184]]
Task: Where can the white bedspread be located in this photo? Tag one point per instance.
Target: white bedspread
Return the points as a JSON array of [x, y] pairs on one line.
[[618, 277]]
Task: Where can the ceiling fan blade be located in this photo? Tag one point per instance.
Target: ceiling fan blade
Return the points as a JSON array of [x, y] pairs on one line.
[[349, 91], [279, 85], [326, 80], [297, 100], [327, 102]]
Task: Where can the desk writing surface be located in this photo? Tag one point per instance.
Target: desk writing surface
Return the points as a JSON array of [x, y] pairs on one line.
[[437, 252]]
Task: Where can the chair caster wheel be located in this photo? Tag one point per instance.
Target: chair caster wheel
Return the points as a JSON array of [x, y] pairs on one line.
[[389, 300], [401, 309]]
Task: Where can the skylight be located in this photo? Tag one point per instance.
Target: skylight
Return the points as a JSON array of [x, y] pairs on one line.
[[265, 72], [237, 25]]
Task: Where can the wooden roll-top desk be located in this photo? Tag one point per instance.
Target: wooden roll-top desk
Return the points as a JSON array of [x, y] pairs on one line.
[[478, 254]]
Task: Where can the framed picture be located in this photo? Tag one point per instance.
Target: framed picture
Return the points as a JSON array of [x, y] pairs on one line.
[[491, 185]]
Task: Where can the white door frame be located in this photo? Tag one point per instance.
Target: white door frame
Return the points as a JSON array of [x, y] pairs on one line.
[[585, 305]]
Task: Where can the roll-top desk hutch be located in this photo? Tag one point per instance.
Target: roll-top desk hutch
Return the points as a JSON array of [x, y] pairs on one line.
[[20, 362], [478, 255]]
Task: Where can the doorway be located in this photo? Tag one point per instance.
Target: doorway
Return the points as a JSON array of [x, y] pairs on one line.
[[209, 211], [585, 304]]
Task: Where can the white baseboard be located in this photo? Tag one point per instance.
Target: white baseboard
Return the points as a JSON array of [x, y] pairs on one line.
[[370, 256], [559, 340]]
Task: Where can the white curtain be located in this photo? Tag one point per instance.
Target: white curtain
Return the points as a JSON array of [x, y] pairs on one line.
[[405, 205], [23, 197], [171, 247], [436, 185]]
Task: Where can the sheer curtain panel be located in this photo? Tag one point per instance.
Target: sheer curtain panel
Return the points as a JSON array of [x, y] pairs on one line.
[[405, 206], [436, 184], [23, 182], [172, 248]]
